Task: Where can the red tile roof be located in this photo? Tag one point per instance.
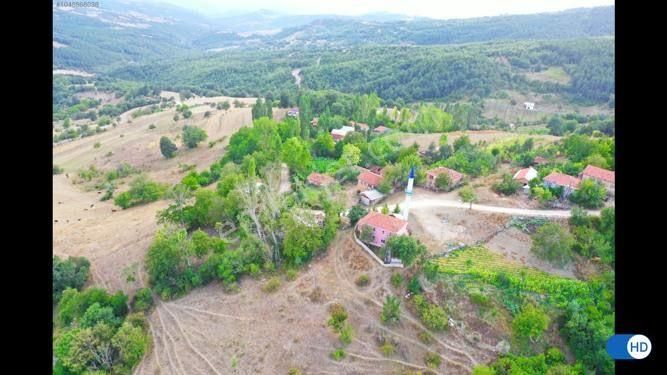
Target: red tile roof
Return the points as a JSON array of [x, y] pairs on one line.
[[453, 175], [370, 178], [599, 174], [522, 174], [381, 129], [562, 180], [382, 221], [319, 179]]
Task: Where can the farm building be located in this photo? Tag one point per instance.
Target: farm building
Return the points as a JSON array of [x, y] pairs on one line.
[[381, 129], [525, 175], [293, 112], [530, 106], [370, 197], [368, 180], [319, 179], [382, 227], [361, 125], [601, 175], [339, 134], [567, 182], [454, 177]]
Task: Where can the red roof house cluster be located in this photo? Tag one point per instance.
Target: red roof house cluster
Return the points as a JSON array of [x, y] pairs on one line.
[[599, 174]]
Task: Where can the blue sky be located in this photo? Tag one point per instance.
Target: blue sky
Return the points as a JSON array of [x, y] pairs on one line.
[[443, 9]]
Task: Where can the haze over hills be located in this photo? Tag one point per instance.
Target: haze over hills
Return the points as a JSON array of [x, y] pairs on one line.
[[122, 33]]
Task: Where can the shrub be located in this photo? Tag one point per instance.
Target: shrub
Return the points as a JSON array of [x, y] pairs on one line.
[[391, 310], [432, 360], [425, 337], [413, 286], [432, 315], [192, 136], [396, 279], [293, 370], [338, 354], [97, 145], [356, 213], [57, 169], [507, 186], [291, 274], [70, 273], [346, 334], [272, 285], [362, 280], [151, 126], [143, 300], [553, 243], [167, 147], [338, 317], [387, 349]]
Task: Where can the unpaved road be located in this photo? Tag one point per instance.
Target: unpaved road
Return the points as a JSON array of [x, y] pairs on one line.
[[444, 202], [297, 77]]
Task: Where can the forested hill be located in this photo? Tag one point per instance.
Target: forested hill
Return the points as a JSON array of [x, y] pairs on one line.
[[121, 33], [584, 22]]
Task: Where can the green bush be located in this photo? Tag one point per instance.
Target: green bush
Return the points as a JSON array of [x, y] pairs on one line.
[[338, 317], [387, 349], [362, 280], [432, 315], [396, 279], [338, 354], [432, 360], [291, 274], [143, 300], [272, 285], [141, 191], [346, 334], [426, 338], [391, 310], [57, 169], [70, 273]]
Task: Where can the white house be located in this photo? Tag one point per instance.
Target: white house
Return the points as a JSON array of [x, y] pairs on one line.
[[530, 106], [339, 134]]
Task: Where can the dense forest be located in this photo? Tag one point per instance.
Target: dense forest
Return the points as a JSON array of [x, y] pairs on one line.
[[397, 74]]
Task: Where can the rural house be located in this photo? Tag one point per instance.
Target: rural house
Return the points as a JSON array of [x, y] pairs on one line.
[[368, 180], [381, 129], [319, 179], [293, 112], [361, 125], [525, 175], [370, 197], [601, 175], [530, 106], [339, 134], [382, 227], [454, 177], [567, 182]]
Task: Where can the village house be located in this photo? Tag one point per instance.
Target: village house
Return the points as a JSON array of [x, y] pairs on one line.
[[601, 175], [368, 180], [530, 106], [454, 177], [370, 197], [382, 227], [293, 112], [339, 134], [318, 179], [361, 125], [567, 182], [381, 129], [525, 175]]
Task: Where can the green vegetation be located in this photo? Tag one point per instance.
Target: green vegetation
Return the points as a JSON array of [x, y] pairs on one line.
[[406, 248], [396, 279], [553, 243], [167, 147], [141, 191], [391, 310], [143, 300], [590, 194], [362, 280], [432, 360], [57, 170], [271, 285], [529, 324], [356, 212], [467, 194], [552, 361], [193, 135], [507, 186], [69, 273], [338, 354], [585, 308], [432, 315]]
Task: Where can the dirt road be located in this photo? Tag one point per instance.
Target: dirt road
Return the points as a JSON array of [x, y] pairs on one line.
[[448, 202]]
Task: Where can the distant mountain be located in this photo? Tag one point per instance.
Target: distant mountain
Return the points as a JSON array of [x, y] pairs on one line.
[[126, 33], [384, 29]]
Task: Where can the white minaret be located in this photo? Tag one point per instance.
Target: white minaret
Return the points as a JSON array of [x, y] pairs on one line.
[[408, 194]]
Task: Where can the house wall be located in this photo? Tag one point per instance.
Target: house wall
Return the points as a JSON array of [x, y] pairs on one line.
[[566, 190], [380, 236]]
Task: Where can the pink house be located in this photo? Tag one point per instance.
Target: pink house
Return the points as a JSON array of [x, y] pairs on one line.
[[383, 226]]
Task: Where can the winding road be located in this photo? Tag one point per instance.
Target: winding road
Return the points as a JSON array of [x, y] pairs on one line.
[[432, 203]]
